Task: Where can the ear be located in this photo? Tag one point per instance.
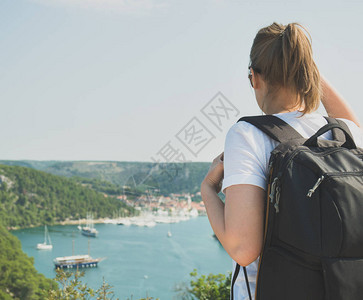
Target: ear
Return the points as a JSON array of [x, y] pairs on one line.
[[256, 79]]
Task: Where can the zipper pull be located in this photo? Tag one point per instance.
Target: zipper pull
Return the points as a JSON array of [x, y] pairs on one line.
[[277, 199], [316, 185], [273, 188]]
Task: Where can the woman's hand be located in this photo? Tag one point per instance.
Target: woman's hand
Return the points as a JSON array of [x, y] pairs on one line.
[[214, 177]]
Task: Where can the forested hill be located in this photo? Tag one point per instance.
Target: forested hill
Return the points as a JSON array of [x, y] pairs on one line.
[[167, 177], [18, 277], [29, 198]]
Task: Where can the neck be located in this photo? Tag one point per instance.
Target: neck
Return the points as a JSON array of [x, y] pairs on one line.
[[282, 101]]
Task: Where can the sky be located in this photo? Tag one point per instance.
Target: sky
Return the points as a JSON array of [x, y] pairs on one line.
[[149, 80]]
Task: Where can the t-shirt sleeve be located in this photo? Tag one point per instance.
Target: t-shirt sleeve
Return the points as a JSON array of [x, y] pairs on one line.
[[245, 160]]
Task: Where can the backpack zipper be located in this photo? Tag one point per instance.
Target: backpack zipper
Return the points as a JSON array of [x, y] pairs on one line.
[[316, 185], [299, 150], [329, 175]]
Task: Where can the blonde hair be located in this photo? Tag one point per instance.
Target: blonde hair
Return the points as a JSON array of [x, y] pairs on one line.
[[284, 57]]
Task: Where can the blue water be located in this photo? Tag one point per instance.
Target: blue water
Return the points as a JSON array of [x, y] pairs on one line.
[[140, 261]]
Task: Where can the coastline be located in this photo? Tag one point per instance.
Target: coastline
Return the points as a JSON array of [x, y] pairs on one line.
[[65, 222], [147, 220], [82, 221]]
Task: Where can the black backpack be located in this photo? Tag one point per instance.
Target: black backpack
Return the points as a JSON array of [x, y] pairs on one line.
[[313, 237]]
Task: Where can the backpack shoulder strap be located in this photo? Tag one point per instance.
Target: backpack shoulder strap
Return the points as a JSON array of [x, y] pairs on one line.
[[274, 127]]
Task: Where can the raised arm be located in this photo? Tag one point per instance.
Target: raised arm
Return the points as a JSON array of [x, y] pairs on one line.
[[335, 105]]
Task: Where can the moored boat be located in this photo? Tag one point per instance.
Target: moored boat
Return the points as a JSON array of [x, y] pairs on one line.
[[76, 261], [47, 245], [89, 229]]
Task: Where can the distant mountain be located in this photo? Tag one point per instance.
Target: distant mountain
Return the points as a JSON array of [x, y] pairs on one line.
[[165, 177], [29, 198]]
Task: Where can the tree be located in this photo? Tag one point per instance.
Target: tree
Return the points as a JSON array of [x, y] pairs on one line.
[[18, 277], [70, 287], [216, 287], [105, 291]]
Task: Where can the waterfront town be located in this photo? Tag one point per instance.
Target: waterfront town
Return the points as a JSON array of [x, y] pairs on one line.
[[157, 209], [171, 204], [153, 209]]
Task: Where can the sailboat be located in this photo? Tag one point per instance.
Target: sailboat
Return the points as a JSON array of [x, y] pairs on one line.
[[89, 229], [47, 245]]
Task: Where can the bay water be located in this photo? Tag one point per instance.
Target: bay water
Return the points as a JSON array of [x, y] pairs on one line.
[[139, 261]]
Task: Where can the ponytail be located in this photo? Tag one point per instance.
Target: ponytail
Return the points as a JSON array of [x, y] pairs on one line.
[[283, 56]]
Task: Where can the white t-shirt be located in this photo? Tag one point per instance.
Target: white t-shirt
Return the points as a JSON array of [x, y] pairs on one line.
[[246, 156]]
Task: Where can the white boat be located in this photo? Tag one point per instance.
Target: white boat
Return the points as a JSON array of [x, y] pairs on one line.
[[169, 234], [89, 229], [47, 245], [76, 261]]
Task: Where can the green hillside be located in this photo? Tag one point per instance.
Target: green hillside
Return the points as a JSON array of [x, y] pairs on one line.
[[166, 177], [30, 198], [18, 277]]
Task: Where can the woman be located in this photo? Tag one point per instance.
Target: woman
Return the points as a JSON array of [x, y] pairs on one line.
[[287, 84]]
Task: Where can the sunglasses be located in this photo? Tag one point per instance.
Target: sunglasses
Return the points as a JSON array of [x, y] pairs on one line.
[[256, 70], [250, 75]]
